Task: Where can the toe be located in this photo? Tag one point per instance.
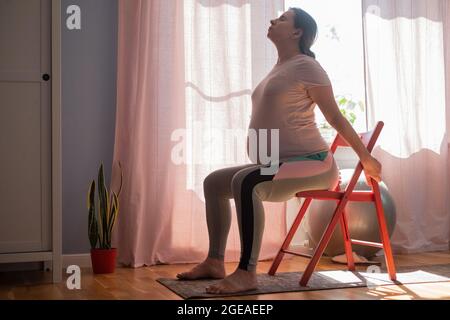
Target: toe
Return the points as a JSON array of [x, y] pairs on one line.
[[211, 289], [219, 290], [182, 275]]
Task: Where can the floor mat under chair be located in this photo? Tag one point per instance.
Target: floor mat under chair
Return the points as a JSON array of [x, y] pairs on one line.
[[320, 280]]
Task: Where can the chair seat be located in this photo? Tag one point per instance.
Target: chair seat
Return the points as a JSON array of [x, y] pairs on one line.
[[336, 195]]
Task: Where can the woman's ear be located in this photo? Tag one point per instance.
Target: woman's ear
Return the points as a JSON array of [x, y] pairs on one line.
[[298, 33]]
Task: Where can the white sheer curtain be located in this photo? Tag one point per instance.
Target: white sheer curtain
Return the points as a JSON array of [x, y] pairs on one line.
[[227, 53], [406, 88]]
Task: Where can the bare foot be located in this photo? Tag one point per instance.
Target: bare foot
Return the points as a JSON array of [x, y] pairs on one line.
[[209, 269], [239, 280]]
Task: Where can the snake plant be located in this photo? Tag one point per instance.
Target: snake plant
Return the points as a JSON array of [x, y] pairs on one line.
[[101, 224]]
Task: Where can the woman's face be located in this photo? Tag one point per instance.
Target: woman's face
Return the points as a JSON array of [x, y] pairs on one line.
[[283, 27]]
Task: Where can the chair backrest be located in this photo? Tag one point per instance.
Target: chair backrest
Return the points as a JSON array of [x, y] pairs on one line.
[[369, 139]]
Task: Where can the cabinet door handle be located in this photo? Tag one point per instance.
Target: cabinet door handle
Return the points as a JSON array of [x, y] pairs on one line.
[[45, 77]]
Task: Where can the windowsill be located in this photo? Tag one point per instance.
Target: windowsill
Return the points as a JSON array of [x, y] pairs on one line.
[[346, 158]]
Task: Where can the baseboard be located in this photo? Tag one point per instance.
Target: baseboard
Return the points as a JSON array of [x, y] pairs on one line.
[[431, 248], [21, 266], [82, 260]]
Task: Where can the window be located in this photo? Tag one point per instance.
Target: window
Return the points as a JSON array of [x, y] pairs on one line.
[[339, 49]]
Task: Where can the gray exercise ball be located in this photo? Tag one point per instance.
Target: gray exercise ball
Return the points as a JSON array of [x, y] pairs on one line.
[[361, 218]]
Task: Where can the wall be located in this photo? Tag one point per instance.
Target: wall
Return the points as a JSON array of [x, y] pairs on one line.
[[88, 75]]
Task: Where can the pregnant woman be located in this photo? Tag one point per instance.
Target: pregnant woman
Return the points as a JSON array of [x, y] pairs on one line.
[[283, 100]]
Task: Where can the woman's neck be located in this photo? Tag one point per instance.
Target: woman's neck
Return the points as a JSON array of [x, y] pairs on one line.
[[286, 54]]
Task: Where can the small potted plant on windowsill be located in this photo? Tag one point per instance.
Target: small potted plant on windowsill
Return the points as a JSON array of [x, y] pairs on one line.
[[347, 107], [103, 257]]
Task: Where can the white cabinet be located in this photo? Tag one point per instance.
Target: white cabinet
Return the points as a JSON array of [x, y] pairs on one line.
[[30, 215]]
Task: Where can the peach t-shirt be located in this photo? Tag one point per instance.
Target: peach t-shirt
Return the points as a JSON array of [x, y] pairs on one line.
[[281, 101]]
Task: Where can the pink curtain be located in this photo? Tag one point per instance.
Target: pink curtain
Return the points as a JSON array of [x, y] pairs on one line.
[[186, 70], [406, 57]]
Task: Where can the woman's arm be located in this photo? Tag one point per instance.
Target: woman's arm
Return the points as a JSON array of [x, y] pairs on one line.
[[324, 97]]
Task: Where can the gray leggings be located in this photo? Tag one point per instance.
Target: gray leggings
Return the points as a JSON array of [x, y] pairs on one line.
[[249, 188]]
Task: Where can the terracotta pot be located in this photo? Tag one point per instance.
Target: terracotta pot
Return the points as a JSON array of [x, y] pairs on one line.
[[103, 260]]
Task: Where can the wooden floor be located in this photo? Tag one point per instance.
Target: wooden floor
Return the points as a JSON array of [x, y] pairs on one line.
[[139, 283]]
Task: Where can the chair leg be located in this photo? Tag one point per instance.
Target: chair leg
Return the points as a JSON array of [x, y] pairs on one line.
[[346, 235], [384, 234], [347, 242], [288, 239], [322, 243]]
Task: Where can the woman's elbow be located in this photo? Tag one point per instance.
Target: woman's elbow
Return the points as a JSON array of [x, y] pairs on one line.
[[337, 121]]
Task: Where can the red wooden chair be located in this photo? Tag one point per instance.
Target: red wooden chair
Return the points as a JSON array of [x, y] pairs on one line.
[[342, 197]]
